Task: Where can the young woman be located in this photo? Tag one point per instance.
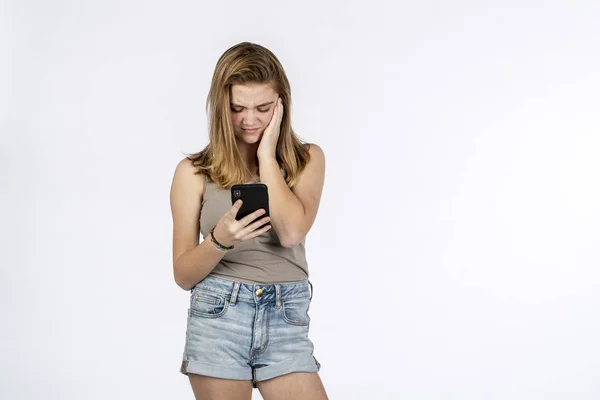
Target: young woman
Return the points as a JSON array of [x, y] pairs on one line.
[[248, 318]]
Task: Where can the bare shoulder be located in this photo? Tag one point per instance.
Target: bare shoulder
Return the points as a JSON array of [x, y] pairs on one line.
[[186, 165], [186, 189], [186, 177], [316, 152]]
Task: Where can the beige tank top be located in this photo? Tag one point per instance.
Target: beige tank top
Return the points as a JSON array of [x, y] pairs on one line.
[[260, 260]]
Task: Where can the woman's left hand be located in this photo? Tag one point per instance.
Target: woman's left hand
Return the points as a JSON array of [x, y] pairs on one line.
[[268, 143]]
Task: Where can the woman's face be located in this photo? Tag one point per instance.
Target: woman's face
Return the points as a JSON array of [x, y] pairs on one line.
[[252, 107]]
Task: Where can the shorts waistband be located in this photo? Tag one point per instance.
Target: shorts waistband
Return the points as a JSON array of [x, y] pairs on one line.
[[265, 292]]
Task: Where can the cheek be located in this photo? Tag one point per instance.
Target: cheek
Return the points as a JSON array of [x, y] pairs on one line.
[[235, 119]]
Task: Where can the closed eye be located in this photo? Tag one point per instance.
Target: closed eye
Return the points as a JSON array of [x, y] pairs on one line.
[[237, 110]]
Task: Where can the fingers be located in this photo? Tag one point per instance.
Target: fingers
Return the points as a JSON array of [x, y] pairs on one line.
[[252, 216], [247, 227], [248, 218], [248, 231], [255, 225], [236, 207], [258, 232]]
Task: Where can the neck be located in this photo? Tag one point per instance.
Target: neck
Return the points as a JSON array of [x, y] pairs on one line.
[[248, 154]]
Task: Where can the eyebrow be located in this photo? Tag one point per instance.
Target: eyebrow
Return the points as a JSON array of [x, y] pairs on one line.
[[260, 105]]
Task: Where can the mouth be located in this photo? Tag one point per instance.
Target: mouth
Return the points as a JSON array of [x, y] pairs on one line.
[[250, 130]]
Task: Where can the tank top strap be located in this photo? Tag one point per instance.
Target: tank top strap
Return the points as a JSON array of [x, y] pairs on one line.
[[209, 189]]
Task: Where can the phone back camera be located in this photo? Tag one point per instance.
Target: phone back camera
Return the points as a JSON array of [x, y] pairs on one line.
[[237, 194]]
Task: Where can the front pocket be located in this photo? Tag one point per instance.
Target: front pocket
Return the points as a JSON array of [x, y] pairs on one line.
[[295, 311], [207, 304]]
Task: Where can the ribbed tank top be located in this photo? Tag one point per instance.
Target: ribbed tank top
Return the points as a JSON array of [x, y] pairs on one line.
[[260, 260]]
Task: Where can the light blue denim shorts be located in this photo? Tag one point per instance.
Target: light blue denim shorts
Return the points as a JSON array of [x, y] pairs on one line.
[[248, 332]]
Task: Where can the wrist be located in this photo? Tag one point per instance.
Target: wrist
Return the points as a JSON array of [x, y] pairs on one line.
[[211, 243], [219, 244], [266, 158]]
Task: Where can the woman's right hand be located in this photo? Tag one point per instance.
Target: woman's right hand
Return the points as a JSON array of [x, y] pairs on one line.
[[230, 231]]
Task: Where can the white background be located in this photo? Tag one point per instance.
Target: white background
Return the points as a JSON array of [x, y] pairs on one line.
[[455, 255]]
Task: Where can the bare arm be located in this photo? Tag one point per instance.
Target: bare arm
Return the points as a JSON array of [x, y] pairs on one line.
[[293, 212], [191, 261]]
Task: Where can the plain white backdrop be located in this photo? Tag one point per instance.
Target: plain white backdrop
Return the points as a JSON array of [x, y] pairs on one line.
[[455, 255]]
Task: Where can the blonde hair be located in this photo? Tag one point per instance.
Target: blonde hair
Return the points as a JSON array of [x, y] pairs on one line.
[[220, 160]]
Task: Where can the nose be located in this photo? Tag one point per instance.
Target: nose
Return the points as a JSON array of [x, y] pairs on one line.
[[248, 118]]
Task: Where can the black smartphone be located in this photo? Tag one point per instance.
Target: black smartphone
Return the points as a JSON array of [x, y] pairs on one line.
[[254, 196]]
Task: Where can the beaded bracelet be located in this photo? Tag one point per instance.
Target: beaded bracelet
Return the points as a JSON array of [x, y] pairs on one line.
[[224, 249]]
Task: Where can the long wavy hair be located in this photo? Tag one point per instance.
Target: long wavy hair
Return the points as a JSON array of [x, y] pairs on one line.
[[220, 160]]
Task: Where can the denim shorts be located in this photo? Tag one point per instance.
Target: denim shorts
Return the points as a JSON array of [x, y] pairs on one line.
[[248, 332]]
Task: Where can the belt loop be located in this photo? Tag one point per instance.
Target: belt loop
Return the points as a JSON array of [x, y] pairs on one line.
[[311, 290], [277, 296], [234, 293]]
